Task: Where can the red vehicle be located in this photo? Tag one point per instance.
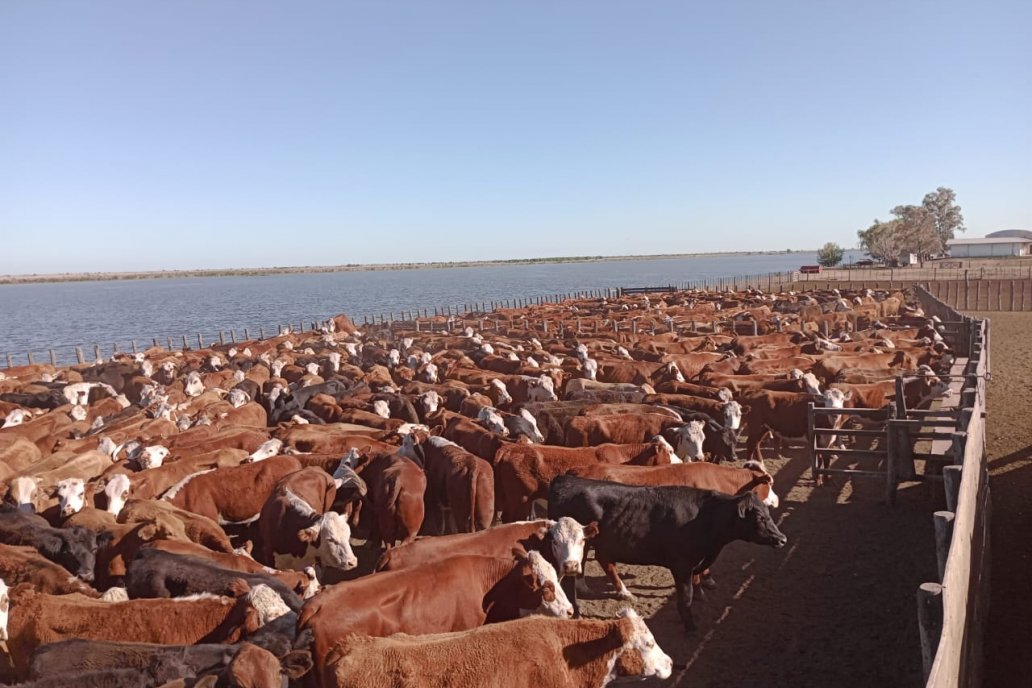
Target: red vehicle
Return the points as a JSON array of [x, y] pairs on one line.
[[810, 269]]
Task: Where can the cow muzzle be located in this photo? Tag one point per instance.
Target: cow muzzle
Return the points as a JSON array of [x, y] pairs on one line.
[[571, 568]]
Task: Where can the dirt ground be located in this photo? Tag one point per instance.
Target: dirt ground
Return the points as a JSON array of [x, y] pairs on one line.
[[835, 607], [1008, 659]]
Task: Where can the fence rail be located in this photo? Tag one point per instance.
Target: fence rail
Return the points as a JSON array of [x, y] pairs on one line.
[[952, 609]]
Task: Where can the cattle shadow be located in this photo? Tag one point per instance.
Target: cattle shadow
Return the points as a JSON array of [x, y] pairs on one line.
[[834, 607]]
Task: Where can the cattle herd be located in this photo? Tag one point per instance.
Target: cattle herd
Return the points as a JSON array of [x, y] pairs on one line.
[[202, 517]]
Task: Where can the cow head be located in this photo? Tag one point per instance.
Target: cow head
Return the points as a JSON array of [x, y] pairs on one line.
[[430, 373], [541, 389], [836, 398], [568, 541], [5, 609], [492, 420], [499, 392], [193, 387], [23, 491], [429, 402], [393, 358], [753, 523], [524, 423], [151, 457], [589, 369], [71, 494], [331, 536], [540, 579], [382, 408], [412, 448], [261, 605], [688, 440], [78, 413], [268, 449], [16, 417], [237, 397], [116, 491], [75, 549], [810, 383], [732, 415], [640, 655], [724, 394]]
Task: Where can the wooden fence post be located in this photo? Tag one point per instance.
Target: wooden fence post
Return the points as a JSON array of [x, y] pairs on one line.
[[78, 355], [96, 352], [951, 476], [133, 343], [53, 358], [200, 342], [10, 364], [929, 620], [943, 521]]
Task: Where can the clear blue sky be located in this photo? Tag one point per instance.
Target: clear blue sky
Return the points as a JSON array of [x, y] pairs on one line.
[[200, 133]]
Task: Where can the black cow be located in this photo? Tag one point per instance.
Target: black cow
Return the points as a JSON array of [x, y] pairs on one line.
[[158, 663], [157, 573], [74, 548], [681, 528]]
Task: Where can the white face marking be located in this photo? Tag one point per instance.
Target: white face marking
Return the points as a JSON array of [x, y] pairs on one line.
[[382, 408], [334, 358], [589, 368], [215, 362], [733, 415], [193, 387], [152, 457], [277, 367], [689, 438], [393, 358], [811, 384], [492, 420], [568, 543], [268, 449], [724, 394], [772, 499], [559, 605], [430, 373], [313, 583], [71, 494], [117, 491], [487, 348], [269, 605], [541, 389], [430, 401], [836, 398], [78, 413], [503, 392], [23, 491], [335, 542], [408, 448], [312, 368], [529, 417], [656, 662], [16, 417], [5, 608], [237, 398], [409, 428]]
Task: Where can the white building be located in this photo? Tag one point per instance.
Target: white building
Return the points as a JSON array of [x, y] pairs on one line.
[[990, 246]]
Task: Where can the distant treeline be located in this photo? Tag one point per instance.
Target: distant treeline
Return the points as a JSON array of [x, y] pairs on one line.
[[347, 267]]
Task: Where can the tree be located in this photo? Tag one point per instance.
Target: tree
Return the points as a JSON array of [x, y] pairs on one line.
[[916, 233], [941, 204], [881, 240], [830, 255]]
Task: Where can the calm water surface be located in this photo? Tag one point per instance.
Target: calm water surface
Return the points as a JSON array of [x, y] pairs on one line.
[[60, 316]]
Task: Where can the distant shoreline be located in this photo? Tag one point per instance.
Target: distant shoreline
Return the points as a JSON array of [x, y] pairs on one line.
[[353, 267]]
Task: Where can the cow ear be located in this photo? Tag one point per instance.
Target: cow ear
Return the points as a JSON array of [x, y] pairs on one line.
[[148, 532], [519, 553], [743, 504], [310, 534], [767, 478], [591, 530]]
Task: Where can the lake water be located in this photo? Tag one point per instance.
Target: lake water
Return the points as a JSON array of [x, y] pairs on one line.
[[61, 316]]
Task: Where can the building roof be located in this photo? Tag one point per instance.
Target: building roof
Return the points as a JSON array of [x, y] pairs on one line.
[[989, 240], [1015, 233]]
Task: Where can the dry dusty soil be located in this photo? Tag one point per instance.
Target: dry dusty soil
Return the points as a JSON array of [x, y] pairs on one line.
[[1008, 652], [835, 607]]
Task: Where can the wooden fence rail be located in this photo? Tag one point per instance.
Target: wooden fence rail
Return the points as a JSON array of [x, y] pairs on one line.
[[952, 610]]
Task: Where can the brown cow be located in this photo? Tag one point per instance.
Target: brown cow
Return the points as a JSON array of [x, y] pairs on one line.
[[299, 527], [20, 564], [458, 482], [37, 619], [535, 652], [233, 495], [524, 471], [453, 594], [626, 428], [396, 487]]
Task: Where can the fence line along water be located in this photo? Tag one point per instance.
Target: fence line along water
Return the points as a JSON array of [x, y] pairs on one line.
[[1004, 288]]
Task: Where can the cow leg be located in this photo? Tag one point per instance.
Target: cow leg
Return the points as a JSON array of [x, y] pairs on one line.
[[683, 583], [614, 577], [569, 585]]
